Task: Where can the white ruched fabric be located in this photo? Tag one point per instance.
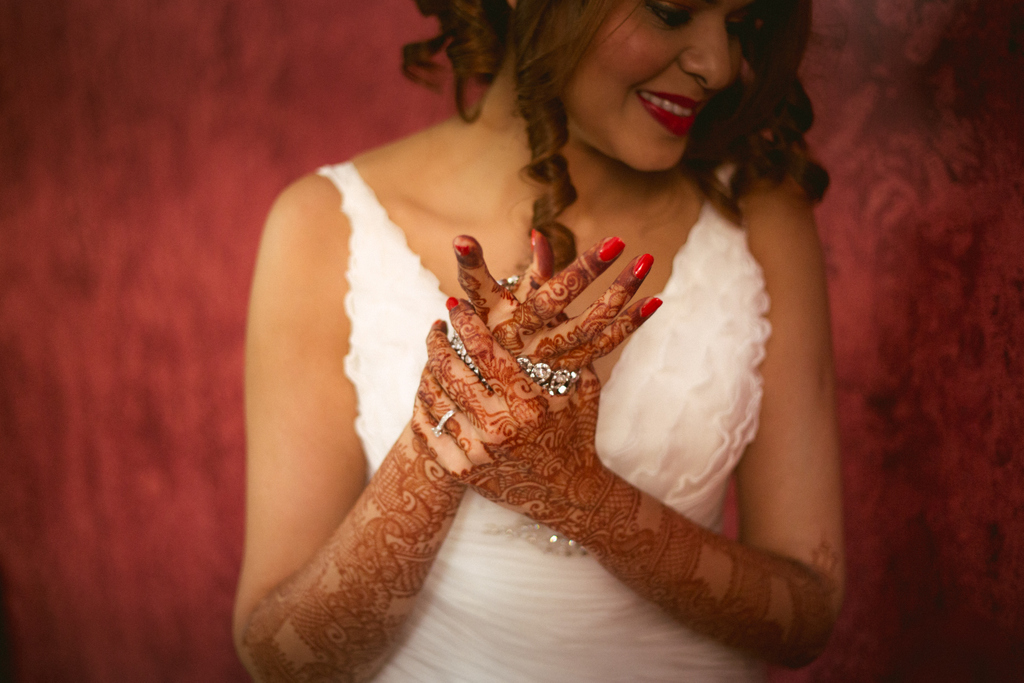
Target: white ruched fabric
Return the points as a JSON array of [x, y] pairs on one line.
[[680, 406]]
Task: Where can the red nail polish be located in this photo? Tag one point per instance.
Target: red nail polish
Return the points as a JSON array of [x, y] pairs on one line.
[[533, 239], [611, 248], [463, 249], [643, 266], [451, 303], [650, 307]]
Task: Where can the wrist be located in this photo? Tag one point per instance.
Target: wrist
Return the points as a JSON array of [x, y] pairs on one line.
[[588, 503], [411, 461]]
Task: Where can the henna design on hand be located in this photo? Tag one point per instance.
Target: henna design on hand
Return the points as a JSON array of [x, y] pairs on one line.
[[537, 327], [549, 300], [543, 463], [476, 280]]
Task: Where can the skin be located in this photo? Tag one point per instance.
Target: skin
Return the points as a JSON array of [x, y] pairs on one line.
[[630, 53], [309, 507]]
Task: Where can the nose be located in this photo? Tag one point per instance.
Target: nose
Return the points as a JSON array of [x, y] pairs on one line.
[[707, 54]]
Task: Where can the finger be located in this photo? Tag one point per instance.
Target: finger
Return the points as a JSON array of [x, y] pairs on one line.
[[554, 295], [456, 426], [480, 287], [541, 267], [456, 378], [498, 367], [588, 386], [585, 327], [611, 336], [444, 448]]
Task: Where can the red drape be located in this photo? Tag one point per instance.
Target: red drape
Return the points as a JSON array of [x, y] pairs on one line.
[[141, 144]]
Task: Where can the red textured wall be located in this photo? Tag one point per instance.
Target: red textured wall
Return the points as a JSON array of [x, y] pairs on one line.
[[140, 147]]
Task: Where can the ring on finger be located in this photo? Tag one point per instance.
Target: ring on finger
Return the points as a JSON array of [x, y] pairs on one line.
[[438, 429], [555, 382], [510, 282], [460, 349]]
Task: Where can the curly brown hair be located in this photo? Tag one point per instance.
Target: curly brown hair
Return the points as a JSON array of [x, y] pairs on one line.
[[757, 124]]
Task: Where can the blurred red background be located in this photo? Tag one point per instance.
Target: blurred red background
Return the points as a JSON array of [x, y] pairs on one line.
[[141, 144]]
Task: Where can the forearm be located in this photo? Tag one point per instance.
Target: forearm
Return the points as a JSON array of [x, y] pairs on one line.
[[539, 459], [338, 616], [773, 607]]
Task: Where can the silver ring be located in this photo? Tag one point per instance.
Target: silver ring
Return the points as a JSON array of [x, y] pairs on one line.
[[510, 282], [439, 429], [555, 382], [460, 349]]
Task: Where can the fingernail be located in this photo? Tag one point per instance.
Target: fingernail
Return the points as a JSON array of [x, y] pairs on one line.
[[611, 248], [542, 253], [440, 325], [650, 307], [643, 266], [463, 249], [451, 303]]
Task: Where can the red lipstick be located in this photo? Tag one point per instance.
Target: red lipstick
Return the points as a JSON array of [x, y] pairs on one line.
[[675, 112]]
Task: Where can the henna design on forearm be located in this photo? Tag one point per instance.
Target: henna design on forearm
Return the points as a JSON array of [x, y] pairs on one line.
[[543, 463], [337, 618], [771, 606]]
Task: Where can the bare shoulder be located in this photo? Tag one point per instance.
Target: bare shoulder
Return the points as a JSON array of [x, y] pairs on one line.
[[304, 216], [781, 228], [300, 272], [783, 237]]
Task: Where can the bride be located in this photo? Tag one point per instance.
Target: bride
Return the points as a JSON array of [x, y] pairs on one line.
[[448, 511]]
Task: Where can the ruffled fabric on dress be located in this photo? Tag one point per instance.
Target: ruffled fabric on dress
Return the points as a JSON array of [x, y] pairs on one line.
[[683, 401], [679, 409], [392, 300]]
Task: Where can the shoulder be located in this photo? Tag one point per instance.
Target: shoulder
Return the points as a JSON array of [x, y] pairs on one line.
[[305, 241], [306, 214], [780, 227], [300, 270], [783, 237]]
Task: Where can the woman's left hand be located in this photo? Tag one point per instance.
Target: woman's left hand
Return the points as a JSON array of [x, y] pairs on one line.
[[516, 445], [527, 318]]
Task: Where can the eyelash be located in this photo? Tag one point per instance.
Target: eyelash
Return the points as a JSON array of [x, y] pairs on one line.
[[673, 16]]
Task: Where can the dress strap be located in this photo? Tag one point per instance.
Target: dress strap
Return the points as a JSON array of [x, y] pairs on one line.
[[391, 302]]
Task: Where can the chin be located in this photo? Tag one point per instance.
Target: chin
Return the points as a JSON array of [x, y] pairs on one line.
[[646, 155], [655, 165], [652, 160]]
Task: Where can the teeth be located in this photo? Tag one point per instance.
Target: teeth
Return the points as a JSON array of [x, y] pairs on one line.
[[670, 107]]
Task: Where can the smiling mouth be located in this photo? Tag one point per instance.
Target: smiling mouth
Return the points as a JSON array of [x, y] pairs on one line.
[[674, 112]]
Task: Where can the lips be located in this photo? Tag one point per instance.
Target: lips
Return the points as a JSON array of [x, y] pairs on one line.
[[674, 112]]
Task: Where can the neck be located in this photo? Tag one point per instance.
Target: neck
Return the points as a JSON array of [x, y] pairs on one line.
[[497, 149]]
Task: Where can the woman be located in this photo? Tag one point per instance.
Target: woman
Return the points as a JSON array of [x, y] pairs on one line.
[[431, 570]]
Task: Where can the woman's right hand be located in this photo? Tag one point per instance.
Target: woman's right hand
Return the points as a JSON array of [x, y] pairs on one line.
[[529, 320], [511, 442]]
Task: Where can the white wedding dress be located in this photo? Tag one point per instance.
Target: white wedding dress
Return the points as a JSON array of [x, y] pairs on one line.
[[505, 602]]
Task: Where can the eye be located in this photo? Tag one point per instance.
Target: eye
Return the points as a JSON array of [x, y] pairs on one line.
[[744, 24], [669, 14]]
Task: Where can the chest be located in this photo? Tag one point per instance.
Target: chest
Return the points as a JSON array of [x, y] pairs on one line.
[[676, 412], [505, 242]]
